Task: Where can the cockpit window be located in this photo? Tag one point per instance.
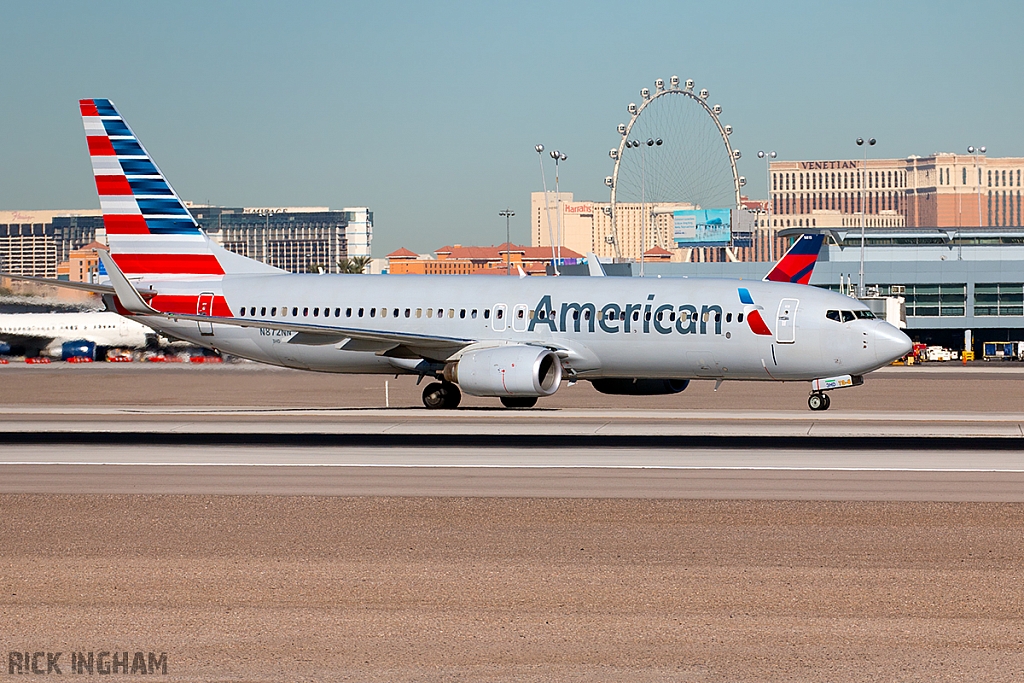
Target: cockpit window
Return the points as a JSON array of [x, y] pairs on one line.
[[848, 316], [833, 315], [864, 315]]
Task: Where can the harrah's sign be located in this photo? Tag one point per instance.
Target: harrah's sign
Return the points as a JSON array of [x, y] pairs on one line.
[[578, 208], [827, 165]]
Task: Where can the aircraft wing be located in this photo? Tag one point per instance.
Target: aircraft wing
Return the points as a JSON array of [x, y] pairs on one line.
[[307, 333], [84, 286]]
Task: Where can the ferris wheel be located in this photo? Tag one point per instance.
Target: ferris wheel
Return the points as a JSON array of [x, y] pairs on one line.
[[673, 149]]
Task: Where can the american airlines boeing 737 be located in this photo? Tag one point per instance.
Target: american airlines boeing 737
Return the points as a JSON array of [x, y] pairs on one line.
[[515, 339]]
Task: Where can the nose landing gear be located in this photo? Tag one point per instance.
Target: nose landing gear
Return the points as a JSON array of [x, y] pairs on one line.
[[441, 395], [818, 400]]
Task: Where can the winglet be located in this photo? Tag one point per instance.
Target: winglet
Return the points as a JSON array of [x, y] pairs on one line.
[[125, 290], [595, 267], [798, 263]]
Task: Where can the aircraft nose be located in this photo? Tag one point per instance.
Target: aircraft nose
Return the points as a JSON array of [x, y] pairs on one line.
[[891, 343]]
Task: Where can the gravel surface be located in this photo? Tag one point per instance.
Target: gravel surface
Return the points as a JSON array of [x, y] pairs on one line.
[[260, 588]]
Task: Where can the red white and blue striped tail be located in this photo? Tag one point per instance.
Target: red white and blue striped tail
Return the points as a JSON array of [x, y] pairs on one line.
[[150, 232], [798, 263]]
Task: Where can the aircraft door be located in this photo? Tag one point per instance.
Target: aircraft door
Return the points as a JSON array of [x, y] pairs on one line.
[[785, 323], [519, 316], [205, 307], [498, 322]]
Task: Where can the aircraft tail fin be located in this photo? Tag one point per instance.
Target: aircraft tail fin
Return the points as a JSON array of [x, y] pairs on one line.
[[150, 231], [798, 263]]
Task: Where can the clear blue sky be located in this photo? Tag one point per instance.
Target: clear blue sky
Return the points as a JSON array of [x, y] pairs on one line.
[[428, 112]]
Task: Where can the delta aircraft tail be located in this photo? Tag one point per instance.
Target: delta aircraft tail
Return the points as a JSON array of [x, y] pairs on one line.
[[798, 263], [150, 232]]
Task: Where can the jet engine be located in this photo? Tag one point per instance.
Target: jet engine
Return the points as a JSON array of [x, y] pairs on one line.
[[627, 386], [516, 370]]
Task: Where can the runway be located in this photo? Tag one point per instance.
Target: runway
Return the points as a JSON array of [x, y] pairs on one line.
[[246, 430], [555, 453]]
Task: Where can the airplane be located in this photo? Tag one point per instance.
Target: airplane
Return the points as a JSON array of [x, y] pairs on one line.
[[514, 339], [32, 334]]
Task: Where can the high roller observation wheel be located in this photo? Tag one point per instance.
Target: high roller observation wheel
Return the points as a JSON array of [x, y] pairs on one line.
[[625, 130]]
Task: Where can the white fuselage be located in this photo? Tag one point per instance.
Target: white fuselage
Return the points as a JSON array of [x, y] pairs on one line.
[[48, 331], [601, 326]]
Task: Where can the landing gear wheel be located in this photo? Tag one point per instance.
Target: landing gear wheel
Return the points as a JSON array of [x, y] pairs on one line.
[[519, 401], [440, 395], [818, 401]]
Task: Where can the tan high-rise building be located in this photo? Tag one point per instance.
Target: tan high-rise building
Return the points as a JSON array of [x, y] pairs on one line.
[[941, 190]]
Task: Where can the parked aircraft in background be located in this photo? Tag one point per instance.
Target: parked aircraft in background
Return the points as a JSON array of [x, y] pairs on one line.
[[32, 334], [510, 338]]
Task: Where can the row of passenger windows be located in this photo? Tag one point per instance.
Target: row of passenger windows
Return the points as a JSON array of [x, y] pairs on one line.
[[250, 311], [499, 313], [847, 316]]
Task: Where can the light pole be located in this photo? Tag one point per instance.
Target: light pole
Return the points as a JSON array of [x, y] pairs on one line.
[[975, 152], [507, 213], [558, 156], [863, 210], [651, 142], [768, 156], [547, 207]]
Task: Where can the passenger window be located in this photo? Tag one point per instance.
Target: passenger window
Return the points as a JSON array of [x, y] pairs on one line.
[[316, 312], [360, 313], [500, 314], [348, 312], [408, 312], [586, 314], [430, 312], [451, 312], [462, 313], [263, 310], [647, 315], [305, 312], [833, 315], [419, 312], [519, 314], [395, 313], [337, 312], [440, 313], [718, 317], [848, 316], [273, 311], [487, 313], [728, 317], [672, 316], [636, 315], [373, 312], [473, 314], [295, 311], [383, 312]]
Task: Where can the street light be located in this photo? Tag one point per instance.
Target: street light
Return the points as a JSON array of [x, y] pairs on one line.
[[547, 207], [650, 142], [558, 156], [975, 152], [507, 213], [768, 156], [863, 209]]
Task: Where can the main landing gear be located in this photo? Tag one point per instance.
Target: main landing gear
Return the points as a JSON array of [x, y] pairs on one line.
[[440, 395], [818, 400]]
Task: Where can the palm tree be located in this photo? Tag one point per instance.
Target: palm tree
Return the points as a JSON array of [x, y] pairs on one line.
[[355, 264]]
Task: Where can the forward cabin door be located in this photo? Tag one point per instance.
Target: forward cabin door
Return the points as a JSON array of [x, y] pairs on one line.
[[785, 323], [205, 307]]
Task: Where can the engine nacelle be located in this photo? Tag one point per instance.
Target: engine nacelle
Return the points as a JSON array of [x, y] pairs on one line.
[[627, 386], [516, 370]]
